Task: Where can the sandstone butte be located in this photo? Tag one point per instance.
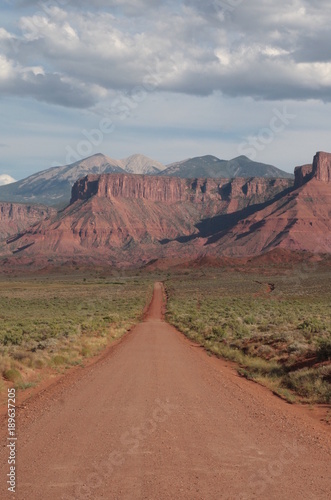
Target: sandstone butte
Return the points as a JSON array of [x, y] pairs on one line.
[[299, 221], [125, 220]]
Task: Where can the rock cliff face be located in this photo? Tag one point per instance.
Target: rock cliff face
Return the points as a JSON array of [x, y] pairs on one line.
[[52, 187], [15, 217], [123, 219], [320, 169], [302, 175], [131, 219], [160, 189], [170, 190], [298, 221]]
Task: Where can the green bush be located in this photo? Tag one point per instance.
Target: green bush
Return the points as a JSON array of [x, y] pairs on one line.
[[85, 351], [13, 375], [59, 360], [312, 326], [324, 350], [310, 384]]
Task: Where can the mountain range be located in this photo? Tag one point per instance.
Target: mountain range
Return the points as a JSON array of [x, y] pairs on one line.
[[213, 167], [53, 186], [129, 220]]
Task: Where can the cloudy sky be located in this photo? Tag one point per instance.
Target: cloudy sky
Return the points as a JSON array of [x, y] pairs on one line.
[[169, 79]]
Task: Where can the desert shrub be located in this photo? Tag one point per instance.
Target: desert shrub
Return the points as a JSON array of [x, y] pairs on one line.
[[39, 363], [309, 383], [85, 351], [12, 337], [262, 367], [59, 360], [5, 364], [250, 320], [324, 350], [12, 375], [228, 313], [313, 325], [264, 351], [297, 348]]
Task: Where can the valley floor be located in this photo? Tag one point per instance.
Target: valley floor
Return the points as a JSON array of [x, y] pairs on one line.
[[159, 418]]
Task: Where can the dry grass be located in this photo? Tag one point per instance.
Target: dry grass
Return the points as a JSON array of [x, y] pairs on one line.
[[56, 322], [272, 336]]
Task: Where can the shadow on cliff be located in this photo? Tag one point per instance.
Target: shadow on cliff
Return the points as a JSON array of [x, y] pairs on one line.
[[215, 228]]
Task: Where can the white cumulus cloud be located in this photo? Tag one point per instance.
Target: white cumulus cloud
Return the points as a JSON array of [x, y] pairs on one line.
[[6, 179], [260, 49]]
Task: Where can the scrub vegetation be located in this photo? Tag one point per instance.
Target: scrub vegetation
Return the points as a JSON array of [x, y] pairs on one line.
[[276, 327], [56, 322]]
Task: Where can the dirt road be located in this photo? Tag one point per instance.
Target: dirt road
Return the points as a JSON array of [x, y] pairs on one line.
[[159, 419]]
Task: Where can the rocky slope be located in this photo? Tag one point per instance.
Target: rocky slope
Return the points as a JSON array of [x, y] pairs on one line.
[[15, 218], [300, 220]]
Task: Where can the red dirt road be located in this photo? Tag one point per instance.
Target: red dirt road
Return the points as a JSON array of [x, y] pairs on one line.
[[159, 419]]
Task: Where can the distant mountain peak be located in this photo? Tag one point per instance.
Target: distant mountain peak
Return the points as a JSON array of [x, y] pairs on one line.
[[125, 219], [53, 186], [211, 166], [242, 157], [141, 164]]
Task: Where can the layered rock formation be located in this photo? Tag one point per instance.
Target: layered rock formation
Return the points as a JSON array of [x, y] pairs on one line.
[[320, 169], [170, 190], [53, 186], [123, 219], [15, 217], [302, 175], [134, 218], [299, 220]]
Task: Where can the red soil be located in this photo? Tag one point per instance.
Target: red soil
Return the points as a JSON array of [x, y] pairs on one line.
[[158, 418]]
